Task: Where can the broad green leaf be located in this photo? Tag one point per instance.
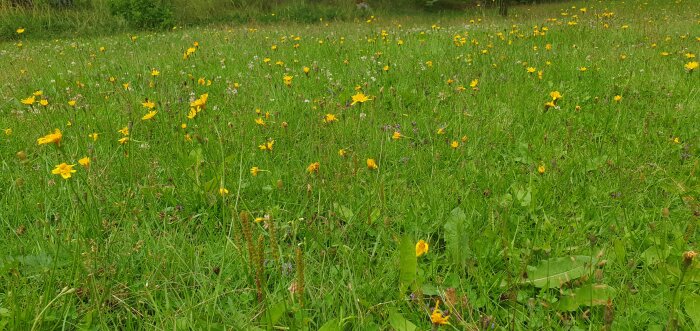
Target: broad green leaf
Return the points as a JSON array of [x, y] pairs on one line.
[[430, 289], [408, 263], [655, 254], [344, 212], [213, 185], [554, 272], [398, 322], [588, 295], [275, 312], [456, 236], [692, 308], [332, 325], [86, 321], [595, 163], [374, 215], [693, 273], [620, 251], [524, 196]]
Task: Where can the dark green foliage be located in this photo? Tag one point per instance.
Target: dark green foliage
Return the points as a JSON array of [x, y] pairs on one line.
[[54, 4], [146, 14]]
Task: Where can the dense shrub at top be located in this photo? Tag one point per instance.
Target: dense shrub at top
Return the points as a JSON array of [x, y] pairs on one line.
[[143, 13]]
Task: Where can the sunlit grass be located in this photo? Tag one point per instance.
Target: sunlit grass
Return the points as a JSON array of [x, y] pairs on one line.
[[265, 176]]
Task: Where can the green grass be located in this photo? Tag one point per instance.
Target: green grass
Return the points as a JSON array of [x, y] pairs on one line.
[[142, 239], [94, 18]]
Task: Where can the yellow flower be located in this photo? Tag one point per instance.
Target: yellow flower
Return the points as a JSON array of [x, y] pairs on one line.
[[371, 164], [29, 101], [260, 121], [124, 131], [93, 136], [359, 97], [72, 103], [582, 69], [555, 95], [531, 70], [396, 136], [155, 72], [201, 102], [148, 104], [124, 140], [617, 98], [441, 131], [63, 169], [188, 52], [254, 171], [267, 146], [421, 247], [192, 113], [541, 169], [306, 70], [8, 131], [313, 167], [20, 30], [474, 83], [690, 66], [454, 144], [549, 104], [126, 86], [223, 191], [342, 152], [44, 102], [329, 118], [183, 126], [149, 115], [287, 80], [676, 140], [51, 138], [386, 68], [437, 318], [85, 162]]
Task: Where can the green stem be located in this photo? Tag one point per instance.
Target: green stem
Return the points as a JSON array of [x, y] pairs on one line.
[[672, 319]]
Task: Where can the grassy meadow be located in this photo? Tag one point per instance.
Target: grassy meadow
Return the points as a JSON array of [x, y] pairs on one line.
[[470, 172]]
